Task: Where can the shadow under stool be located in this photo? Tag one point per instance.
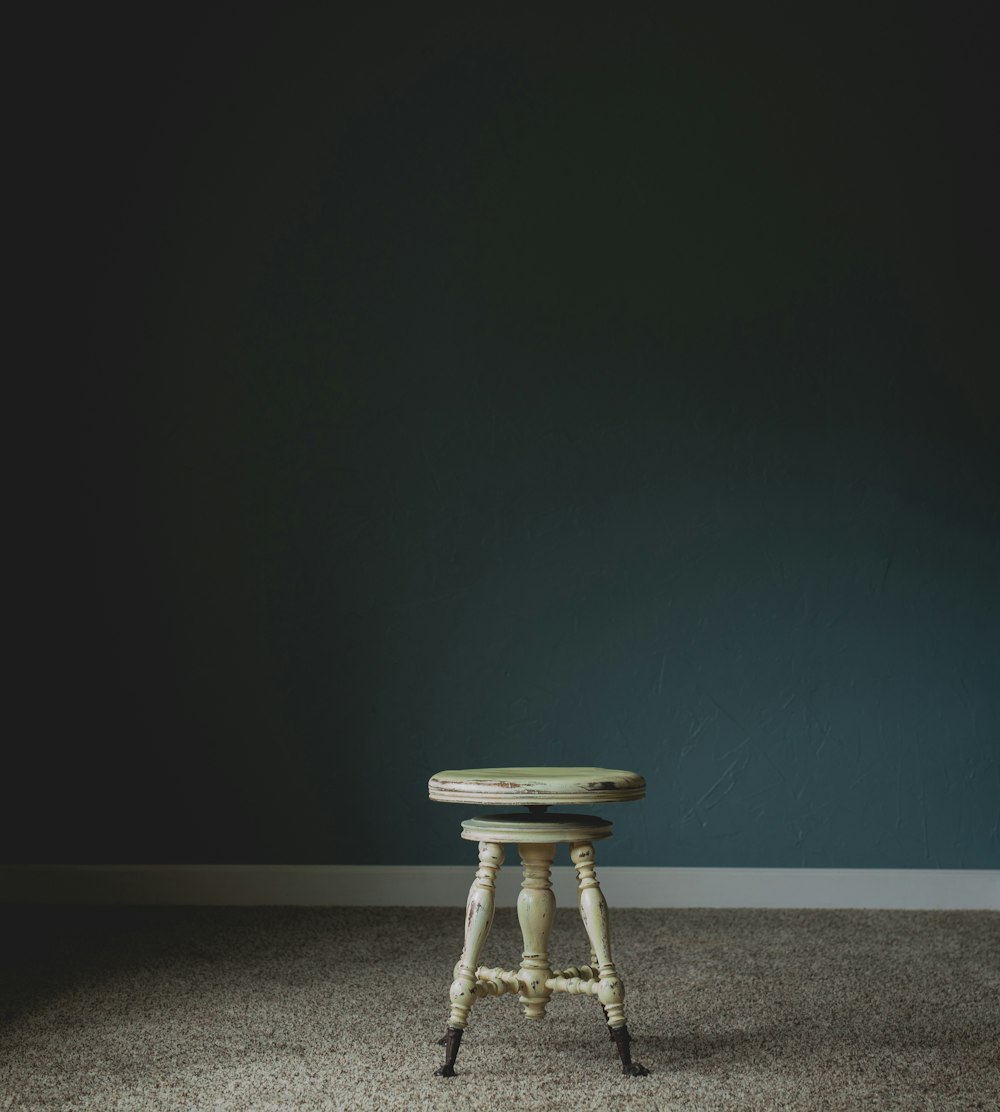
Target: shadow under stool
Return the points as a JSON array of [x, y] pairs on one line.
[[537, 835]]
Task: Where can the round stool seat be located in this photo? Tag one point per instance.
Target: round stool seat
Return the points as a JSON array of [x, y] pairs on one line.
[[535, 828], [531, 787]]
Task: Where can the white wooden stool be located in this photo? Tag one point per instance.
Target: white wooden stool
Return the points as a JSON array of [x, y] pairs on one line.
[[537, 835]]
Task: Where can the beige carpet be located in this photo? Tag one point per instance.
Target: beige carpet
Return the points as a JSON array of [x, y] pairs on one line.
[[194, 1008]]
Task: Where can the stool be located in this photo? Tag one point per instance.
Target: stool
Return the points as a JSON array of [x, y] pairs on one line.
[[537, 835]]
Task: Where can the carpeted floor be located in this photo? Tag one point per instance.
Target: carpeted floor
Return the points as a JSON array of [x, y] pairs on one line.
[[340, 1008]]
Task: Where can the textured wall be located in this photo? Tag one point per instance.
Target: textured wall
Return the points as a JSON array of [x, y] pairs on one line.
[[464, 395]]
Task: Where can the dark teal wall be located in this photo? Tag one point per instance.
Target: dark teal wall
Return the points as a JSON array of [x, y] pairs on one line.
[[453, 395]]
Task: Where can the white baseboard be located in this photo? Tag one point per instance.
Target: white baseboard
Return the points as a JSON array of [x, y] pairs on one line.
[[447, 886]]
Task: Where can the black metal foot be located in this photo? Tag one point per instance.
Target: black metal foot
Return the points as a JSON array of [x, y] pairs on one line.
[[623, 1044], [452, 1041]]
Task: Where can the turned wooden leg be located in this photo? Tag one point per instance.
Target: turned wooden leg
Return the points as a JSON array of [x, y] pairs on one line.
[[611, 993], [593, 965], [536, 910], [478, 919]]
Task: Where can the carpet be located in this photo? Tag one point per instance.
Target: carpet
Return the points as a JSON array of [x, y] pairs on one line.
[[341, 1008]]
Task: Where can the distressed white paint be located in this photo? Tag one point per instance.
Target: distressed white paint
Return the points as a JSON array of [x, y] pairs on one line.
[[551, 828], [537, 835], [536, 911], [535, 786], [535, 981], [478, 919], [594, 912], [447, 885]]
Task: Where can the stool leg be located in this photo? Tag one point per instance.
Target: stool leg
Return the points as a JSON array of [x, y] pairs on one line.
[[593, 965], [611, 993], [536, 909], [478, 920]]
